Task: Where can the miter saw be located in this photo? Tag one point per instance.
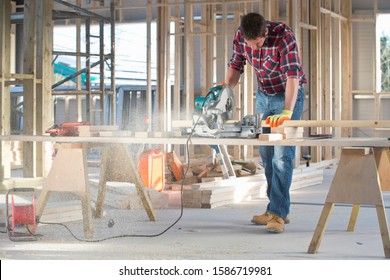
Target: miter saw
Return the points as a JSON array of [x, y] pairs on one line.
[[214, 116]]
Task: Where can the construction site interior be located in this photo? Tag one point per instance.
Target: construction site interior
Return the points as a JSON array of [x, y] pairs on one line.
[[97, 132]]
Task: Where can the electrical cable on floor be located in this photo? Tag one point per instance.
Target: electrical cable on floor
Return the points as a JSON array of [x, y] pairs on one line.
[[181, 196]]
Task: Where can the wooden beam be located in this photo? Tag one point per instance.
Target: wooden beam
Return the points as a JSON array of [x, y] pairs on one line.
[[315, 85], [5, 99], [79, 112], [293, 18], [377, 100], [167, 99], [149, 15], [177, 66], [189, 58], [44, 111], [161, 64], [334, 142], [327, 11], [248, 96], [205, 50], [339, 123], [337, 45], [346, 56], [29, 88], [328, 73], [307, 26]]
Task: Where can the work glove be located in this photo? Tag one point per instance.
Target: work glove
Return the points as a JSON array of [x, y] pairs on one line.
[[278, 119]]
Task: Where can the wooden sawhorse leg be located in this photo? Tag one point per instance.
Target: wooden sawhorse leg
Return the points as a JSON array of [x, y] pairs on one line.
[[69, 174], [117, 165], [357, 181]]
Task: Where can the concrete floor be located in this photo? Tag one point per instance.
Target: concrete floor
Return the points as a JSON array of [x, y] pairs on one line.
[[222, 233]]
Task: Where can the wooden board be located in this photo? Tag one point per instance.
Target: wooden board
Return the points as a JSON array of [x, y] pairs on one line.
[[337, 142], [314, 123]]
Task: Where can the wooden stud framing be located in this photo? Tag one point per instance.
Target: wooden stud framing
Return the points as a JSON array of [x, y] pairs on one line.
[[315, 72], [346, 42], [337, 46], [178, 51], [327, 60], [149, 62], [29, 88], [248, 98], [78, 67], [5, 54], [161, 63], [189, 58], [44, 112], [329, 74]]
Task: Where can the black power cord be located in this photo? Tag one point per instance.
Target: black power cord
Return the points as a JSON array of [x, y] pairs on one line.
[[181, 196]]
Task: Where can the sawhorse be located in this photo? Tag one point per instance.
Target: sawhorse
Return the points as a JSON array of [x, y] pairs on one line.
[[118, 165], [361, 176], [69, 174]]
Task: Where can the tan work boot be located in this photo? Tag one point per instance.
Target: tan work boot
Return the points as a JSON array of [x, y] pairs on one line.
[[265, 218], [276, 224]]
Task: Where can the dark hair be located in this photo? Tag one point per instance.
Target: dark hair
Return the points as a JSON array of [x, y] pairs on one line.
[[253, 26]]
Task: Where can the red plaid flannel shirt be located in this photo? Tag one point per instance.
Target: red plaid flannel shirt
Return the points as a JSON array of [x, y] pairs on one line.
[[274, 62]]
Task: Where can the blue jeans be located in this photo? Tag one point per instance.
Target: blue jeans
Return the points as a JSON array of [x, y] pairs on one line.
[[278, 161]]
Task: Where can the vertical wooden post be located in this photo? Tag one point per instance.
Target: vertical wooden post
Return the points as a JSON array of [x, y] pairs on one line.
[[214, 44], [161, 63], [315, 72], [79, 112], [337, 46], [113, 63], [328, 87], [346, 41], [5, 99], [167, 91], [376, 90], [293, 18], [44, 112], [178, 61], [267, 9], [189, 57], [225, 36], [149, 62], [248, 94], [29, 86]]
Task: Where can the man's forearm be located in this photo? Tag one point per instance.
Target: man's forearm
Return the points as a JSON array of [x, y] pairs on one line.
[[232, 77], [291, 94]]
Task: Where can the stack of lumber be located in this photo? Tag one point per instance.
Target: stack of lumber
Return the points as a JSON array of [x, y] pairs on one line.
[[288, 132], [223, 192], [280, 133], [229, 191]]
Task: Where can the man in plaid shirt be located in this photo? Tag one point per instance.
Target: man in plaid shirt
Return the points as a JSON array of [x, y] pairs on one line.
[[271, 49]]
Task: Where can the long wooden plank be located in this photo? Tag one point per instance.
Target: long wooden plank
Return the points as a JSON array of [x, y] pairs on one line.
[[336, 142], [315, 123], [339, 123]]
